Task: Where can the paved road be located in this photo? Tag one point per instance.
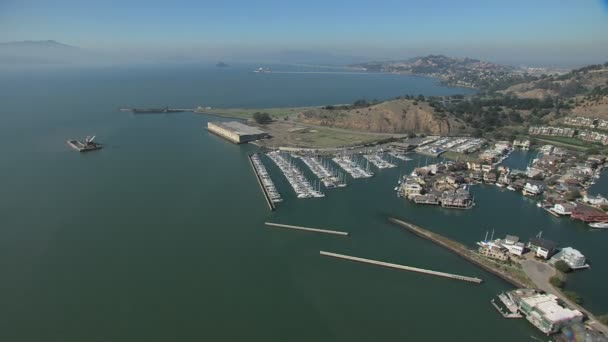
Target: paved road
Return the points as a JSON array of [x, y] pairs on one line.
[[540, 272]]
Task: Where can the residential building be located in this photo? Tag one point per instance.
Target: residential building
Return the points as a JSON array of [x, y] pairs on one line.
[[572, 257], [542, 248]]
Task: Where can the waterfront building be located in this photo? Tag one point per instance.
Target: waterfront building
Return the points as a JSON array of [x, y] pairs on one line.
[[542, 248], [236, 132], [523, 144], [459, 199], [533, 188], [512, 244], [563, 208], [588, 213], [545, 313], [595, 200], [572, 257], [494, 251]]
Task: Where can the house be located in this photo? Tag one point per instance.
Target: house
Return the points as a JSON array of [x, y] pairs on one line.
[[542, 248], [595, 200], [494, 251], [545, 312], [572, 257], [533, 188], [512, 244], [563, 208]]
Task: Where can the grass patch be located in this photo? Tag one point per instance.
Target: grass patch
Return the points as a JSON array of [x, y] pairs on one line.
[[473, 157], [245, 113], [565, 142]]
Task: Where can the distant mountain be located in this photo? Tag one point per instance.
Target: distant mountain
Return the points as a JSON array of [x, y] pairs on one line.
[[464, 72], [30, 52], [36, 44]]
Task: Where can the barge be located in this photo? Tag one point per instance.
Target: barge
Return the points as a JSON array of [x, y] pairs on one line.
[[84, 146]]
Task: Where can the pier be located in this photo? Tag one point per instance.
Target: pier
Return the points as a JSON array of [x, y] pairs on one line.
[[399, 156], [296, 178], [378, 161], [270, 192], [352, 167], [307, 229], [402, 267], [330, 179], [462, 251], [502, 313]]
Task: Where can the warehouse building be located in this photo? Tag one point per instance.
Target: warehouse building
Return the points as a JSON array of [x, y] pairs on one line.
[[236, 132]]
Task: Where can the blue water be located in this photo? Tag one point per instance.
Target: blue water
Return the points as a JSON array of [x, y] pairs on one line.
[[160, 235]]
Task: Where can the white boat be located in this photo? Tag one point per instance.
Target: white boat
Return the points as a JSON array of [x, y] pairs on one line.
[[499, 185], [396, 188], [600, 225], [538, 204], [510, 188]]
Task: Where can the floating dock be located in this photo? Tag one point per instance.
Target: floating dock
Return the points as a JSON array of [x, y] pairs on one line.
[[315, 230], [402, 267], [260, 181]]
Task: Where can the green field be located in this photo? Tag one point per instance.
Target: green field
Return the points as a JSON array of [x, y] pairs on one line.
[[565, 142], [473, 157], [247, 113]]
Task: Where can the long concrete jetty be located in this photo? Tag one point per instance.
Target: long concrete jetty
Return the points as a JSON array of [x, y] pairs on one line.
[[315, 230], [264, 190], [402, 267], [462, 251]]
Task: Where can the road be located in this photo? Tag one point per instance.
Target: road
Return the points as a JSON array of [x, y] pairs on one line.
[[540, 273]]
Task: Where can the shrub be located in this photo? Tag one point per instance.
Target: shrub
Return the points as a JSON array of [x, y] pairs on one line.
[[562, 266], [557, 282], [261, 117], [573, 296]]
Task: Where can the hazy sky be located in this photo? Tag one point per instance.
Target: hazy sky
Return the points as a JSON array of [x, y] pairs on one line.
[[513, 30]]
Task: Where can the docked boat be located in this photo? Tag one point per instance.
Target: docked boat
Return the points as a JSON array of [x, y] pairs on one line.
[[510, 188], [84, 146], [500, 185], [599, 225]]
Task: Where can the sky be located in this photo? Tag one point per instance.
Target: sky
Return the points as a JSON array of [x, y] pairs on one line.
[[551, 31]]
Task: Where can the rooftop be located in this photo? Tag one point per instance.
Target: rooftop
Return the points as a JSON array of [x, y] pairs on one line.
[[544, 243], [238, 128]]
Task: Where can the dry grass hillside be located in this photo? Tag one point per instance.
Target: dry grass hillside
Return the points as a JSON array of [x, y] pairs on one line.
[[395, 116], [569, 85]]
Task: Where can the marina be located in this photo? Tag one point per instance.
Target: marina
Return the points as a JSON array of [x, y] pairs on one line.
[[308, 229], [399, 156], [302, 187], [329, 178], [402, 267], [351, 166], [377, 161], [270, 191]]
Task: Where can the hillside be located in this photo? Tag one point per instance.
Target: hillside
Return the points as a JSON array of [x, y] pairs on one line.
[[394, 116], [580, 82], [466, 72]]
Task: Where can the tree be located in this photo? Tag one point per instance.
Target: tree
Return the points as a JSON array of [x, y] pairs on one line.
[[557, 281], [573, 194], [562, 266], [262, 117]]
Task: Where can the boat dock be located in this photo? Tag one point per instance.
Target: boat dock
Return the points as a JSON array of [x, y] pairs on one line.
[[378, 161], [351, 167], [330, 179], [296, 178], [505, 314], [307, 229], [399, 156], [402, 267], [270, 192]]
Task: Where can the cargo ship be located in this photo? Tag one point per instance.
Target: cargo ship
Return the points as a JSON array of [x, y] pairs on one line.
[[84, 146]]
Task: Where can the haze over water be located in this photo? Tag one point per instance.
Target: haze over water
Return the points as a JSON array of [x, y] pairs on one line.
[[160, 235]]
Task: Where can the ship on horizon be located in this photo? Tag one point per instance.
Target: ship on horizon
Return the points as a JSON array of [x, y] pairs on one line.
[[262, 70]]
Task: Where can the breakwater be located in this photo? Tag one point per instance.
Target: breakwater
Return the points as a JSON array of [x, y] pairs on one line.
[[462, 251], [401, 267]]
